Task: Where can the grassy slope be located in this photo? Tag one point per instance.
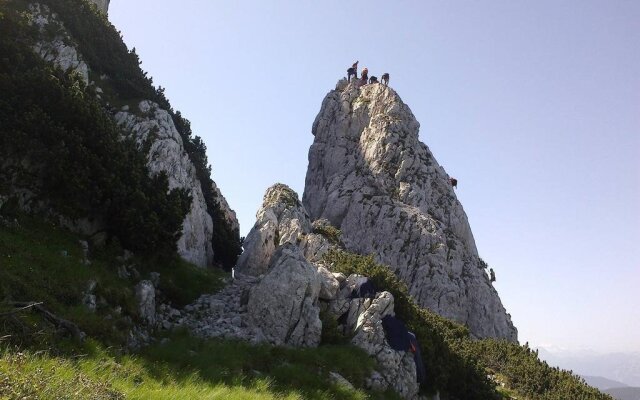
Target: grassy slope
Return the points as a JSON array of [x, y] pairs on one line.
[[183, 368], [42, 262], [37, 362]]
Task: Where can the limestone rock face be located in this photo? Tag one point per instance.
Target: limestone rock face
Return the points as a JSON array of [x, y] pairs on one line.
[[329, 284], [370, 176], [154, 127], [229, 214], [283, 305], [57, 50], [279, 287], [285, 302], [154, 131]]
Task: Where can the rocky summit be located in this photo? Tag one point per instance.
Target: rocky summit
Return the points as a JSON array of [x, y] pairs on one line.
[[372, 178]]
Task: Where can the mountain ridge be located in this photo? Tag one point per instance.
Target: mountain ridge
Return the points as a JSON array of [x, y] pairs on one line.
[[167, 311]]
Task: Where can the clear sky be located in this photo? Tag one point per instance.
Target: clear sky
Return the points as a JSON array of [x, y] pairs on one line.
[[534, 106]]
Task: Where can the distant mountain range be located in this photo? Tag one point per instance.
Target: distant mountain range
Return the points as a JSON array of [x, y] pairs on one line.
[[617, 390], [624, 393], [602, 383], [609, 370]]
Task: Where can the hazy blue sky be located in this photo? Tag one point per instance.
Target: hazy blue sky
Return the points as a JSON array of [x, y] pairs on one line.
[[533, 105]]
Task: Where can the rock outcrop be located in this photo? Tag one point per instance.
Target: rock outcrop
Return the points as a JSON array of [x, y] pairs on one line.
[[371, 177], [146, 299], [284, 252], [229, 214], [362, 318], [155, 132], [58, 49], [281, 285], [281, 219], [153, 128]]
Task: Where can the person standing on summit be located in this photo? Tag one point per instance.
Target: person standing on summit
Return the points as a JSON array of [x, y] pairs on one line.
[[385, 79], [352, 71], [365, 76]]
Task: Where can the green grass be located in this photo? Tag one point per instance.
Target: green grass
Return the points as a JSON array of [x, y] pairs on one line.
[[187, 368], [289, 370], [33, 268]]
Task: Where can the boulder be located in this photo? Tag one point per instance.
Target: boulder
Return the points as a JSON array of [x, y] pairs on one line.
[[340, 380], [284, 304], [329, 284], [89, 301], [146, 301]]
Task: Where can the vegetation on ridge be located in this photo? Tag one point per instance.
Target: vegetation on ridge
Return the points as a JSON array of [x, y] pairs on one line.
[[117, 71], [57, 143], [459, 366]]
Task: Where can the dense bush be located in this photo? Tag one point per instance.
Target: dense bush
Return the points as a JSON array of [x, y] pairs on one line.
[[331, 233], [458, 365], [57, 141], [521, 367]]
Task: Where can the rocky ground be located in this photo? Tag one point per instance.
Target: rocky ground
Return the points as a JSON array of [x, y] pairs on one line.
[[281, 285]]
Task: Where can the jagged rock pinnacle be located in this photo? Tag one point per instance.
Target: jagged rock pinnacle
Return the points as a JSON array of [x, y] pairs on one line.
[[370, 176]]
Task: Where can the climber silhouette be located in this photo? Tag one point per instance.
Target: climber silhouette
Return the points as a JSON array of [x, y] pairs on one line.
[[385, 79], [353, 71]]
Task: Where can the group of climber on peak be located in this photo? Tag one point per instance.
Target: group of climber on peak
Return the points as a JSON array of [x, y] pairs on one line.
[[364, 77]]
